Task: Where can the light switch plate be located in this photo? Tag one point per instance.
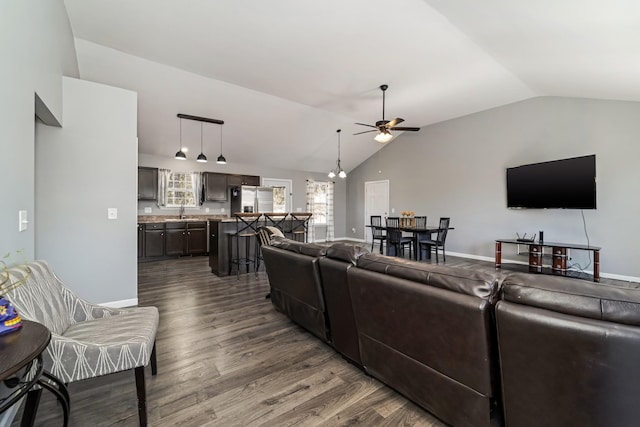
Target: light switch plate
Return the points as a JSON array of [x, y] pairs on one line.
[[206, 210], [22, 220], [112, 213]]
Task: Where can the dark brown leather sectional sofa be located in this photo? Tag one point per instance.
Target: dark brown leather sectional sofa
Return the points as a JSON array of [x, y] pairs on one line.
[[472, 348]]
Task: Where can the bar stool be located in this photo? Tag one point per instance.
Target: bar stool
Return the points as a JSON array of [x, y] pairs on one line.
[[276, 219], [299, 225], [246, 229]]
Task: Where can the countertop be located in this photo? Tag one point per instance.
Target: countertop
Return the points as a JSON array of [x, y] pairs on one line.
[[149, 219]]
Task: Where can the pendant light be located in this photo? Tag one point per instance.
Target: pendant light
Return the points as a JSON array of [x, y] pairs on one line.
[[180, 154], [201, 157], [221, 160], [338, 170]]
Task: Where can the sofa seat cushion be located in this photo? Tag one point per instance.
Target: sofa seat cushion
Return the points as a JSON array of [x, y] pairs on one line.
[[460, 280], [613, 303]]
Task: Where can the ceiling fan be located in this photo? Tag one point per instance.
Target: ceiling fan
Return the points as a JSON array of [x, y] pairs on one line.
[[384, 126]]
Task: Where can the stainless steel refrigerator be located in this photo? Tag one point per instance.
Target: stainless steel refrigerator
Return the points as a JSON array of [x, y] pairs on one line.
[[248, 198]]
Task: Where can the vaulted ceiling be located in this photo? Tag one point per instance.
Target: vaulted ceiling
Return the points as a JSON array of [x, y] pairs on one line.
[[285, 74]]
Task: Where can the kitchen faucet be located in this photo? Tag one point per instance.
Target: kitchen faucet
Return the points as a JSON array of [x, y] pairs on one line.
[[182, 209]]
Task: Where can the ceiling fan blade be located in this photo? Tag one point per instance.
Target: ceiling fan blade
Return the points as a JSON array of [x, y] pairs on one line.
[[366, 131], [404, 128], [364, 124], [394, 122]]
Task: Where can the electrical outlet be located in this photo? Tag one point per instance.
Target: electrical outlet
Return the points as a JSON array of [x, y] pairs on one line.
[[147, 209], [353, 230], [393, 210], [206, 210]]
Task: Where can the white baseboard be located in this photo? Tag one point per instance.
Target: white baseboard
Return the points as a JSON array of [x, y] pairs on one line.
[[122, 303]]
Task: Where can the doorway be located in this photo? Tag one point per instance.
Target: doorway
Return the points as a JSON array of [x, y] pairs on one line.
[[376, 202], [286, 184]]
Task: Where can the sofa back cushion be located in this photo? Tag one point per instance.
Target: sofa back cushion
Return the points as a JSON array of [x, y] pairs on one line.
[[569, 352], [612, 303], [41, 297], [460, 280], [346, 252], [309, 249], [441, 317]]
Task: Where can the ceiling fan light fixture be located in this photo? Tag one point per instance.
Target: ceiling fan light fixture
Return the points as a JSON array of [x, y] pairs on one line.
[[383, 137]]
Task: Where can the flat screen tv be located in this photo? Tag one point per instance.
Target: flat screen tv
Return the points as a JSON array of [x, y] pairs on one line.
[[564, 184]]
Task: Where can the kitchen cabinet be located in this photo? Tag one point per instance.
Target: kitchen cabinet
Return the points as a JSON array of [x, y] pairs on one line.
[[176, 238], [238, 180], [186, 238], [157, 240], [154, 240], [196, 238], [140, 241], [215, 187], [147, 183]]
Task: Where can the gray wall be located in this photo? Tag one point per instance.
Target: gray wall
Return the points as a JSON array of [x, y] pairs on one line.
[[37, 49], [457, 168], [83, 169], [298, 188]]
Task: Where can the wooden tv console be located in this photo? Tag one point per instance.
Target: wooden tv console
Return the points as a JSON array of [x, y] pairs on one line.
[[559, 255]]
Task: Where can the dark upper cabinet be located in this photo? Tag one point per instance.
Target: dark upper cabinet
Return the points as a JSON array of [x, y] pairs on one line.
[[237, 180], [215, 187], [147, 183], [250, 180]]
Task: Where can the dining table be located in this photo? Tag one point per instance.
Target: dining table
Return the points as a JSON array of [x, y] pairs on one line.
[[418, 234]]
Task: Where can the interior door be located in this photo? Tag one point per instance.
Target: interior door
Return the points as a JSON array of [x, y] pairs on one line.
[[282, 195], [376, 202]]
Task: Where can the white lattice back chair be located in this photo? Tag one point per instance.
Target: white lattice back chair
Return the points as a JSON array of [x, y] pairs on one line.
[[87, 340]]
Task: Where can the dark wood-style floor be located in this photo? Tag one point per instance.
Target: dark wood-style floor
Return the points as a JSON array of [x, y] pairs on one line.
[[227, 358]]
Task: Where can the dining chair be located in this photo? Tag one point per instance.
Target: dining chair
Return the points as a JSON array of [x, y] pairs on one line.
[[395, 237], [377, 231], [439, 241], [421, 221]]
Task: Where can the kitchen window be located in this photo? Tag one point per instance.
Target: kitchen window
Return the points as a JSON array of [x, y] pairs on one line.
[[180, 189]]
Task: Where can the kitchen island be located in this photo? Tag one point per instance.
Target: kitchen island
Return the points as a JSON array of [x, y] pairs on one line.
[[219, 230]]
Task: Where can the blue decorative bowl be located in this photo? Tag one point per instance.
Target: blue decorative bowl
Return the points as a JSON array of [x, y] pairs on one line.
[[10, 320]]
